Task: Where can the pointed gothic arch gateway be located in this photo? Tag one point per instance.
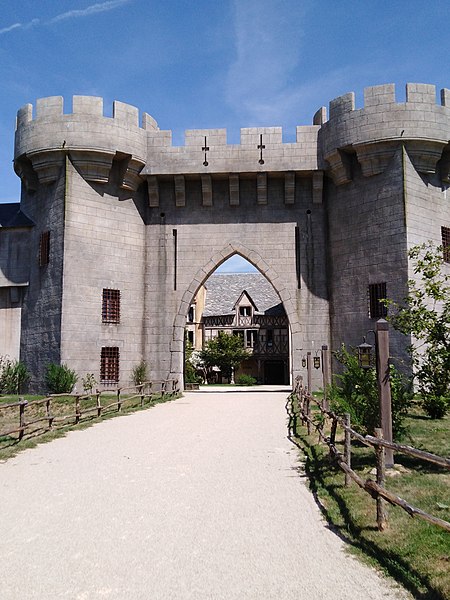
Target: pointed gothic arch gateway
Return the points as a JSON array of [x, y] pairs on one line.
[[269, 369]]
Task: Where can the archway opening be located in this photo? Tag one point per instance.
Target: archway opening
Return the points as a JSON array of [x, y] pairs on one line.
[[238, 300]]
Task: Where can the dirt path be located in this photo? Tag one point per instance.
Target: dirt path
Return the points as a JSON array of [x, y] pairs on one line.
[[200, 498]]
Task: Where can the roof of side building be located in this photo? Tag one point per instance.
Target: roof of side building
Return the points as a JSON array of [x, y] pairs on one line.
[[12, 216], [224, 289]]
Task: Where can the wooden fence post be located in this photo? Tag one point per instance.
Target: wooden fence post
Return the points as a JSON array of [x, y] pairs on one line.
[[22, 406], [142, 394], [347, 448], [48, 405], [384, 385], [309, 371], [77, 409], [326, 376], [381, 475], [333, 434], [308, 413], [99, 404]]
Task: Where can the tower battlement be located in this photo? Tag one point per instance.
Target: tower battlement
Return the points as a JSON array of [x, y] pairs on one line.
[[52, 108], [375, 131], [383, 96]]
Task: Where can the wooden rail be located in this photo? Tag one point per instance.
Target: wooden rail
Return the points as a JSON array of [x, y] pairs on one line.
[[299, 407], [146, 391]]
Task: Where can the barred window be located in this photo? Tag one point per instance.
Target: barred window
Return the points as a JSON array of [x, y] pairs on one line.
[[109, 365], [111, 306], [445, 231], [377, 292], [44, 248]]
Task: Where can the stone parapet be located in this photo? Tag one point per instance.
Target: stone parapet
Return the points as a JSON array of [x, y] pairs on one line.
[[96, 144], [375, 131], [206, 152], [91, 140]]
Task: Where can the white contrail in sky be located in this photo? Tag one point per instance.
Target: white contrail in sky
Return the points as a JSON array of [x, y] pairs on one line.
[[71, 14]]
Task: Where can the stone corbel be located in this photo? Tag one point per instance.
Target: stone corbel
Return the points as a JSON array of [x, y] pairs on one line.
[[375, 157], [425, 154], [180, 190], [261, 188], [340, 166], [444, 166], [317, 187], [131, 179], [47, 164], [207, 199], [289, 187], [153, 191], [93, 165], [233, 181], [28, 176]]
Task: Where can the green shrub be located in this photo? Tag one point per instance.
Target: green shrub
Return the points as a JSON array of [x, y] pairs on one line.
[[245, 380], [355, 391], [13, 375], [60, 379], [139, 373], [88, 382]]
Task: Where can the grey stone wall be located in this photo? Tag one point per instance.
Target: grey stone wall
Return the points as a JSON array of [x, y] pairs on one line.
[[367, 244], [41, 313], [104, 248]]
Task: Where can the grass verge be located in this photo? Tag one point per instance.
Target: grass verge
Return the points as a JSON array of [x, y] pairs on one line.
[[413, 552], [40, 433]]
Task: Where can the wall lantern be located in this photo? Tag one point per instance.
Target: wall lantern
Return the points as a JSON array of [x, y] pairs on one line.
[[316, 362], [365, 356], [303, 362]]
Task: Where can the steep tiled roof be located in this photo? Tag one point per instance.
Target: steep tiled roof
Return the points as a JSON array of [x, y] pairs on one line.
[[12, 216], [224, 289]]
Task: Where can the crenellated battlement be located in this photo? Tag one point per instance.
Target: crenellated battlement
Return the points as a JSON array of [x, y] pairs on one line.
[[92, 140], [422, 95], [88, 107], [375, 131], [95, 142]]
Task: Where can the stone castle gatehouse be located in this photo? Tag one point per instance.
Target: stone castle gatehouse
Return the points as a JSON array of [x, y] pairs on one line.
[[117, 229]]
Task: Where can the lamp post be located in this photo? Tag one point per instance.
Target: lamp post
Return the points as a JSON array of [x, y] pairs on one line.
[[383, 379]]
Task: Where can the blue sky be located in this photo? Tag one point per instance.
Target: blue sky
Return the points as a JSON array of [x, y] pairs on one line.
[[206, 64]]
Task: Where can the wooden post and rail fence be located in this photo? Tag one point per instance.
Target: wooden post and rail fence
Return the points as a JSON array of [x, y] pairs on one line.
[[145, 392], [299, 409]]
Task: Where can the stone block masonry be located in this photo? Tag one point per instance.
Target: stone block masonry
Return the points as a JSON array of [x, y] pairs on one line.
[[322, 218]]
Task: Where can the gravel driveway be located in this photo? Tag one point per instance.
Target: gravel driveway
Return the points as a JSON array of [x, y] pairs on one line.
[[201, 498]]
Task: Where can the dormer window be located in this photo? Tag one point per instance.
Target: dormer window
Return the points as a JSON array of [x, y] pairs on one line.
[[245, 311]]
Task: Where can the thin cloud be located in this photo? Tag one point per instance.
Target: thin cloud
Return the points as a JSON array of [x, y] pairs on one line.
[[71, 14], [89, 10], [268, 42], [265, 84], [28, 25]]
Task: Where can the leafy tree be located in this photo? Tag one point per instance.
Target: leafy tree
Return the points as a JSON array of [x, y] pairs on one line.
[[225, 352], [425, 315], [190, 369], [355, 391]]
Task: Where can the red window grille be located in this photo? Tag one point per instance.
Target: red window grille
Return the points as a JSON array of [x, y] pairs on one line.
[[109, 365], [445, 231], [44, 248], [111, 306], [377, 292]]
